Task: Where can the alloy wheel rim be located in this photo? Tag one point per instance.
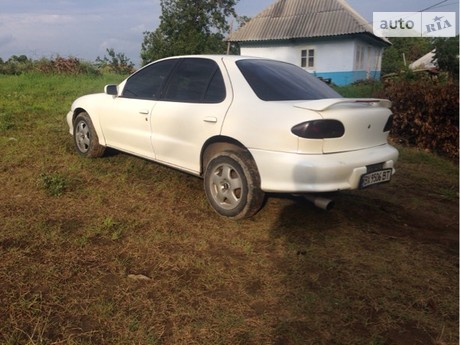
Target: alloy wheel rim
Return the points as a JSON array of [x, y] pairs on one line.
[[82, 136], [226, 186]]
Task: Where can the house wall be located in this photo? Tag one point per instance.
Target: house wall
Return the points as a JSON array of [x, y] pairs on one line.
[[342, 60]]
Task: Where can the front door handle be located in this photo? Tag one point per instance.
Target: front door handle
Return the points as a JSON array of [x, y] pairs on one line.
[[210, 119]]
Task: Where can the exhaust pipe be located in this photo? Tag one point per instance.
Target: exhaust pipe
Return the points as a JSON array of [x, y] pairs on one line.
[[320, 202]]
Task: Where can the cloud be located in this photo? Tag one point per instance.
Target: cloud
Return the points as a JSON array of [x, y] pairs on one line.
[[49, 19], [6, 39]]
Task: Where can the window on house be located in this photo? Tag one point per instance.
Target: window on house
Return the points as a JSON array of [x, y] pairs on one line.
[[308, 58], [359, 59]]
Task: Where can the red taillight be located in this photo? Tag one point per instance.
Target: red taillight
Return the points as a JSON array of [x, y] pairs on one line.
[[319, 129], [389, 124]]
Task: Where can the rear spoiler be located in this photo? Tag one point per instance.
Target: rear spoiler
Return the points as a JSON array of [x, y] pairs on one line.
[[323, 104]]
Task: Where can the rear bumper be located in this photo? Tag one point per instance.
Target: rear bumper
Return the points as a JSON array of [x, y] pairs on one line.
[[282, 172]]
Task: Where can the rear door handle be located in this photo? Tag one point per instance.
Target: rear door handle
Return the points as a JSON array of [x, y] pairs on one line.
[[144, 112], [210, 119]]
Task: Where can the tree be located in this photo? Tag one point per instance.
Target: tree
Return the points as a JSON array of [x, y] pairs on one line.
[[19, 59], [446, 55], [188, 27], [115, 63], [16, 65], [233, 48], [412, 48]]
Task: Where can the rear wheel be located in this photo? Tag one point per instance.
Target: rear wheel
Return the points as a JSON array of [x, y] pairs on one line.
[[85, 137], [232, 185]]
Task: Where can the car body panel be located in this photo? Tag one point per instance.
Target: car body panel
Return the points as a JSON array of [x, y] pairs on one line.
[[363, 124], [267, 125], [179, 131], [94, 105], [303, 173], [126, 125]]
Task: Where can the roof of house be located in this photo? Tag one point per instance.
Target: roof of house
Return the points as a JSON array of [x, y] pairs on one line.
[[295, 19], [425, 62]]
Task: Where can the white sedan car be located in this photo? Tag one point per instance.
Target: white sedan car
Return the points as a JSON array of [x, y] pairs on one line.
[[246, 125]]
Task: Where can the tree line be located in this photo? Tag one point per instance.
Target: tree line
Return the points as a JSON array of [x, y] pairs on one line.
[[113, 62], [200, 27]]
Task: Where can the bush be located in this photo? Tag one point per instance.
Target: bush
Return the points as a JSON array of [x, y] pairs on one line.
[[425, 114], [116, 63], [61, 65], [16, 65]]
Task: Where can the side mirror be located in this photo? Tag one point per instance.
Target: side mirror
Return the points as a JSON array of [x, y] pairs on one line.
[[111, 90]]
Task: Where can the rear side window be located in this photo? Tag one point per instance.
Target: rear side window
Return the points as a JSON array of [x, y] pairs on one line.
[[196, 80], [148, 81], [279, 81]]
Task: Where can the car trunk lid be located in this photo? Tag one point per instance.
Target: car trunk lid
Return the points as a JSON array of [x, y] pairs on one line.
[[364, 121]]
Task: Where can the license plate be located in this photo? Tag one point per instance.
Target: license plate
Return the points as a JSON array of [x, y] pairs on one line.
[[376, 177]]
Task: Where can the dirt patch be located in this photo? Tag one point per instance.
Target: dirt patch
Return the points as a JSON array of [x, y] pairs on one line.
[[434, 220]]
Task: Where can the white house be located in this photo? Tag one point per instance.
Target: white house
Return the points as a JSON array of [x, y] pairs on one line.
[[326, 37]]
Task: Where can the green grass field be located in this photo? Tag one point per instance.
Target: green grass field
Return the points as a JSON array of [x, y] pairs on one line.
[[119, 250]]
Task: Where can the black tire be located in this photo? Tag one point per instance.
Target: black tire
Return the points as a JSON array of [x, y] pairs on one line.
[[232, 185], [85, 137]]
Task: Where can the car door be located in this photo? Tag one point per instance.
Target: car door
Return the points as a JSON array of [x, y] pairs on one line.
[[127, 124], [191, 111]]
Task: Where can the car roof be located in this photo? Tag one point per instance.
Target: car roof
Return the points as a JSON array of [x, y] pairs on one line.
[[215, 57]]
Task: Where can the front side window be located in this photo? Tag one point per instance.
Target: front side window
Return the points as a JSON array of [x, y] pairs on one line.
[[307, 58], [147, 83], [279, 81], [196, 80]]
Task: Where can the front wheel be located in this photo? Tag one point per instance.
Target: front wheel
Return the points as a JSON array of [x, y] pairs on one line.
[[232, 185], [85, 137]]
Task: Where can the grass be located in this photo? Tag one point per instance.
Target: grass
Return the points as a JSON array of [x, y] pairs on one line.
[[120, 250], [366, 89]]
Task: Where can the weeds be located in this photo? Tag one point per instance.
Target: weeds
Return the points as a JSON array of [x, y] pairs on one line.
[[6, 122], [54, 184], [360, 89]]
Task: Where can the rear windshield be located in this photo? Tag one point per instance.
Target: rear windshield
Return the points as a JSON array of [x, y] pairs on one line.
[[279, 81]]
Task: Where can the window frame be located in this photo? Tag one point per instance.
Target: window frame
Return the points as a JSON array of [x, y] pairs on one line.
[[307, 58], [168, 78], [159, 89], [273, 80], [206, 85], [360, 57]]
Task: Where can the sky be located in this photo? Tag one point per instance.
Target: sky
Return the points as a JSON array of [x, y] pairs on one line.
[[87, 28]]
